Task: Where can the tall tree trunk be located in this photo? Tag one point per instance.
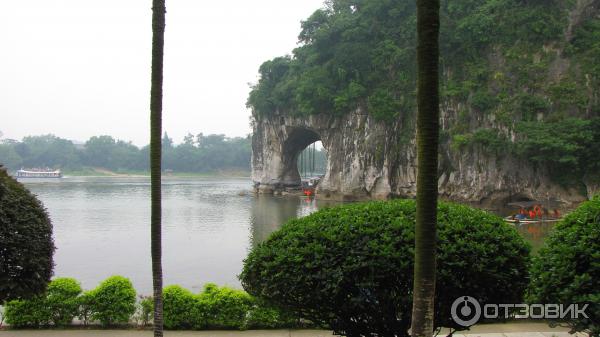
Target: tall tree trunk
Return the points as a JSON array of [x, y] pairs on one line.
[[158, 39], [428, 24]]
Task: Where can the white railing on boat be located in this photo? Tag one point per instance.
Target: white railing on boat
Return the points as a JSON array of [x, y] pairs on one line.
[[38, 174]]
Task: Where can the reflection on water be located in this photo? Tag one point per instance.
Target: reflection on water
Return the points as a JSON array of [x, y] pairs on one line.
[[535, 233], [101, 227], [268, 213]]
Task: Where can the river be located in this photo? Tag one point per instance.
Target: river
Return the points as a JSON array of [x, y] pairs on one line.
[[101, 227]]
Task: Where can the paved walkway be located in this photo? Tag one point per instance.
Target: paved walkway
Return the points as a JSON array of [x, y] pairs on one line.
[[484, 330]]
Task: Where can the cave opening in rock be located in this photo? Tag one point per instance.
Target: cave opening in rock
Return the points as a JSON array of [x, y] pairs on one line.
[[312, 161], [304, 156]]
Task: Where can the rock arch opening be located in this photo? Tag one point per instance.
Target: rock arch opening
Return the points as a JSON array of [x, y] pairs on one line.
[[312, 161], [298, 158]]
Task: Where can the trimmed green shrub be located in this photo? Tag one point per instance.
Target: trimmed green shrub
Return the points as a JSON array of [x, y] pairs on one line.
[[30, 313], [223, 307], [26, 241], [351, 266], [567, 268], [180, 309], [58, 307], [61, 300], [113, 301]]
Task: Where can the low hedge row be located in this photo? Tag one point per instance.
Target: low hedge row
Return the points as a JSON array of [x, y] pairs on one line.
[[219, 308], [114, 302]]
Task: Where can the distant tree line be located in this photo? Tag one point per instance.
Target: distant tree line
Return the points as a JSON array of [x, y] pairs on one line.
[[197, 153]]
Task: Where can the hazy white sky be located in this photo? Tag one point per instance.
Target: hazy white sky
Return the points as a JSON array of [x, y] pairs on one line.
[[77, 68]]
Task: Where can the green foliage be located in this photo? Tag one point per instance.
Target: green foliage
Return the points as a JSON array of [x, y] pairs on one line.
[[460, 141], [9, 156], [86, 306], [146, 309], [491, 141], [531, 105], [180, 309], [567, 95], [58, 306], [383, 105], [26, 241], [48, 150], [567, 268], [200, 153], [585, 47], [62, 300], [30, 313], [349, 57], [223, 307], [504, 58], [350, 267], [264, 316], [567, 147], [113, 301], [483, 101], [219, 308], [356, 53]]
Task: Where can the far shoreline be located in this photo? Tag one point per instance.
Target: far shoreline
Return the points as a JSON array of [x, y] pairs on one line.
[[101, 172]]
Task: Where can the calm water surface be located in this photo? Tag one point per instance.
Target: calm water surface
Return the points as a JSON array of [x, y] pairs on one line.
[[101, 227]]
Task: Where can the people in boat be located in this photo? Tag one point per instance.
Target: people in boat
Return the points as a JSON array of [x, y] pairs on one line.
[[538, 211]]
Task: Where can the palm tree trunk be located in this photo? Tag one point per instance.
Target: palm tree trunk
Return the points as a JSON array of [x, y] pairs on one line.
[[428, 24], [158, 35]]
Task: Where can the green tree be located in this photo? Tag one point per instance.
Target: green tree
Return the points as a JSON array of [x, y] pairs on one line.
[[158, 42], [25, 240], [567, 268], [48, 150], [9, 157], [98, 151], [428, 25]]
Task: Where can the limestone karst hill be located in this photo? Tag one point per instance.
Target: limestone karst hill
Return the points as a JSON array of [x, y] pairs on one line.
[[520, 100]]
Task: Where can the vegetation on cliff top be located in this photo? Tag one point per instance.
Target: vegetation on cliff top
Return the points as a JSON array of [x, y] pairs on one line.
[[513, 66]]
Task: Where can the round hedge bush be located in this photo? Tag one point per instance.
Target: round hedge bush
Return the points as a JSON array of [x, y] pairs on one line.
[[113, 301], [223, 307], [567, 268], [351, 267], [26, 244], [62, 300], [180, 309]]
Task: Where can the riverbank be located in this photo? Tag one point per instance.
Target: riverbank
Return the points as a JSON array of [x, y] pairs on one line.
[[101, 172], [526, 329]]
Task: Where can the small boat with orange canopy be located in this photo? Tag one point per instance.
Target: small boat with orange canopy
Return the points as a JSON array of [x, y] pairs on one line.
[[309, 186], [535, 212]]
